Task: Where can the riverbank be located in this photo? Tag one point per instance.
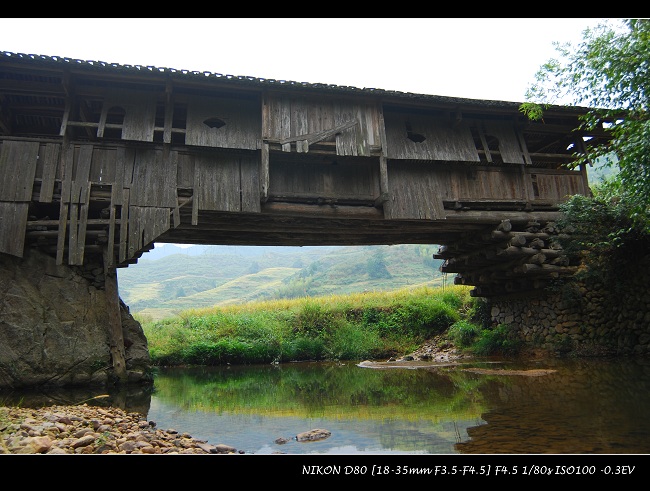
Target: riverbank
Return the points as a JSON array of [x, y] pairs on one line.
[[85, 429]]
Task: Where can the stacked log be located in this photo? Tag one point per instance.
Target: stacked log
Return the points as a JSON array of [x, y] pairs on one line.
[[507, 259]]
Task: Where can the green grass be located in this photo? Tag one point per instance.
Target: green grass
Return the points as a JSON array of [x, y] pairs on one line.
[[357, 326]]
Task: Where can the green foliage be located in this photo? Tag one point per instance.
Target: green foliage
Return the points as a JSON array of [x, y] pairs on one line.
[[294, 288], [421, 317], [312, 318], [501, 341], [479, 311], [463, 333], [533, 111], [429, 317], [349, 342], [609, 73], [377, 265], [367, 326], [228, 351], [603, 234], [254, 268], [303, 348], [452, 299]]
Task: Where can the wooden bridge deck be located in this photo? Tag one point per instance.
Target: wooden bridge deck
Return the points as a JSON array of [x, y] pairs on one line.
[[99, 159]]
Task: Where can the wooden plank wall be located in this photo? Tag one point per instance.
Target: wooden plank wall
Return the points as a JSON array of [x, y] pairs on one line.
[[48, 170], [414, 176], [340, 180], [226, 182], [475, 183], [79, 201], [141, 183], [146, 223], [13, 222], [153, 179], [416, 191], [557, 185], [441, 140], [241, 117], [18, 161], [289, 118], [509, 146], [139, 113]]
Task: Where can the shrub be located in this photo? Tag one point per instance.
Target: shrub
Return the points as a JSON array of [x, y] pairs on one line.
[[304, 348], [501, 340], [349, 342], [229, 351], [463, 333], [312, 319]]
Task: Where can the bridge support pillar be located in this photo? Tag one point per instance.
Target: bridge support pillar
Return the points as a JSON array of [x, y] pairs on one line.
[[116, 335]]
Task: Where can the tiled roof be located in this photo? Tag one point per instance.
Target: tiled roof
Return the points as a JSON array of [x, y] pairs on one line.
[[247, 80]]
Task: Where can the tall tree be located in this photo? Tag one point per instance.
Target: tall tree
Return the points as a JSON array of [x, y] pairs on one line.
[[608, 72], [377, 265]]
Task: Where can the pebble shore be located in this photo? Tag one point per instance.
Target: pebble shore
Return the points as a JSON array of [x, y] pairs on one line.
[[85, 429]]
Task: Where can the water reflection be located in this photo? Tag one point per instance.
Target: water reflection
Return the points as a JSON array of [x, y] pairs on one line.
[[595, 406]]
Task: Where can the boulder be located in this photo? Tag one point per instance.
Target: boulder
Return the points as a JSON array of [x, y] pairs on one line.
[[54, 327]]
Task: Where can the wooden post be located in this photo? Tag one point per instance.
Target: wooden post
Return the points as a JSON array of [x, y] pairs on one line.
[[116, 336], [264, 173]]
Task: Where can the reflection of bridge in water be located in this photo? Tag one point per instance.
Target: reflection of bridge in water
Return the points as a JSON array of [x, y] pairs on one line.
[[101, 159]]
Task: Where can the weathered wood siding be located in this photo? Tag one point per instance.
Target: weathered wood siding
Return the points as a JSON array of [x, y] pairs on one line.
[[418, 189], [48, 170], [422, 137], [146, 223], [297, 123], [226, 182], [139, 108], [13, 221], [509, 144], [557, 185], [325, 179], [415, 191], [441, 140], [18, 161], [241, 120], [475, 183], [153, 179]]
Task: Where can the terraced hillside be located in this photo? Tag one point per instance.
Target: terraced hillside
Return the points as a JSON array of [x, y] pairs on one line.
[[175, 279]]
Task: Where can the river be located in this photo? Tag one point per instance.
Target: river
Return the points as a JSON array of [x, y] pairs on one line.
[[555, 406]]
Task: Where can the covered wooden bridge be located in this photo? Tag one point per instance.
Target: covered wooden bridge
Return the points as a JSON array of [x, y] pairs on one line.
[[106, 159]]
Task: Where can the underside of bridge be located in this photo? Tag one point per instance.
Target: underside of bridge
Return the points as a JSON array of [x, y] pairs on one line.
[[498, 252]]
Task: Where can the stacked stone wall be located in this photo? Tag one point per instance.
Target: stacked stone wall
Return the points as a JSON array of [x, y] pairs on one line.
[[583, 317]]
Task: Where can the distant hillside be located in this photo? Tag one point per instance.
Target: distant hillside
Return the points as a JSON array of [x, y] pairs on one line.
[[170, 279], [164, 250]]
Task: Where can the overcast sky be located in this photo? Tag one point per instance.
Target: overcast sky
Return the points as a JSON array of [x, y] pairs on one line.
[[493, 58]]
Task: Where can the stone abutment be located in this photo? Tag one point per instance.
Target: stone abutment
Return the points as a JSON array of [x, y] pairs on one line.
[[583, 317]]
